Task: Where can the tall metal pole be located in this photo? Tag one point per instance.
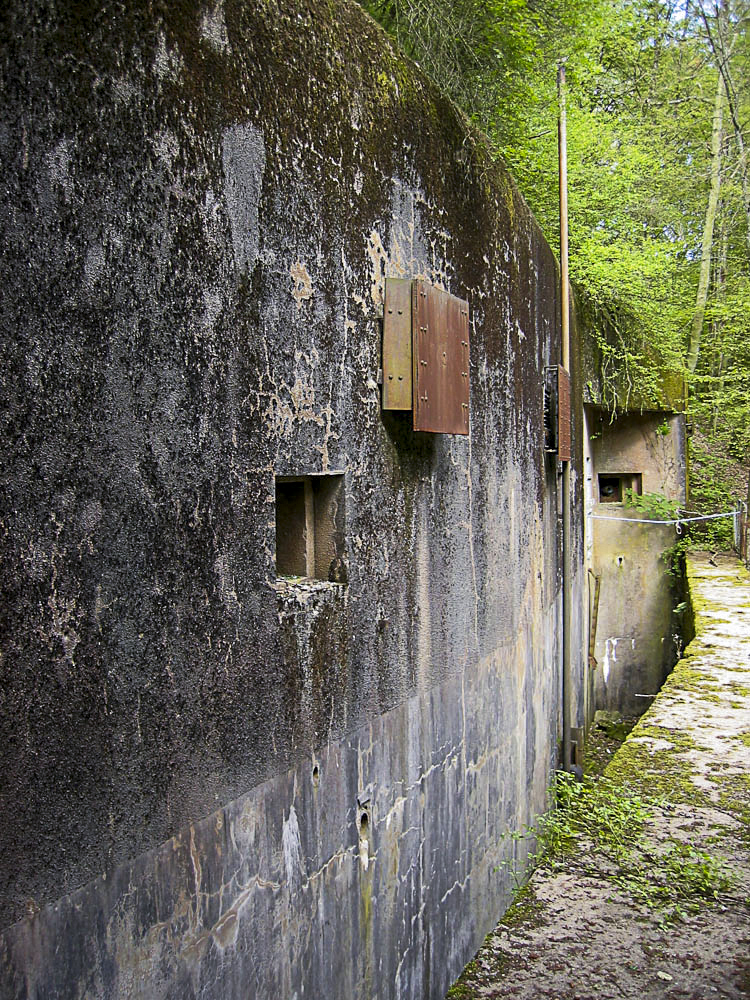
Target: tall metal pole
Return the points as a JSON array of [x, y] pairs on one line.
[[565, 358]]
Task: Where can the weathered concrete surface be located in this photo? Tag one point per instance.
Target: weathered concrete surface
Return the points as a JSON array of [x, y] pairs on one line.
[[200, 204], [375, 907], [586, 939], [637, 630], [637, 635], [652, 444]]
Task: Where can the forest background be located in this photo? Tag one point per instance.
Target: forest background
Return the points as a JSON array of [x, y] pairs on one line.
[[658, 122]]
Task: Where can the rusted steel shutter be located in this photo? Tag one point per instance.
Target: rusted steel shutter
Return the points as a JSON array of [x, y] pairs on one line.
[[563, 415], [441, 360]]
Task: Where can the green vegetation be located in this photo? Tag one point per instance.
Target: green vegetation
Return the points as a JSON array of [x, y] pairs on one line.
[[602, 744], [658, 105], [653, 505], [734, 798], [459, 990], [607, 821]]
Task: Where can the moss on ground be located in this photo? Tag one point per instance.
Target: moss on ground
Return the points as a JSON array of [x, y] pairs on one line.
[[602, 745], [660, 774], [734, 798], [526, 910], [686, 678], [461, 990], [679, 739]]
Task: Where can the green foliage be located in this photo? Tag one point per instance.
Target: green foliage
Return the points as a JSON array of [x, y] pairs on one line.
[[641, 90], [655, 505], [674, 560], [714, 488], [487, 55], [607, 818], [610, 821], [632, 231]]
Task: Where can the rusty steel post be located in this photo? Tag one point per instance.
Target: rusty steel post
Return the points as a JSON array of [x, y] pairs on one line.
[[567, 680]]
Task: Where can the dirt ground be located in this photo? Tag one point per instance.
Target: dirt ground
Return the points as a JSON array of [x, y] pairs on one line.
[[574, 934]]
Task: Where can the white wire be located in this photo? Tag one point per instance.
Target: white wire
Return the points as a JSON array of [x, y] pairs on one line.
[[648, 520]]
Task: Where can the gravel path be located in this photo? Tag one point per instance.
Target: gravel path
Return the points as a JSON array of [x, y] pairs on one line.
[[576, 935]]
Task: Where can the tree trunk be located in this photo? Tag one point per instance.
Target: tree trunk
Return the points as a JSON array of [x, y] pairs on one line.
[[721, 47], [696, 330], [719, 338]]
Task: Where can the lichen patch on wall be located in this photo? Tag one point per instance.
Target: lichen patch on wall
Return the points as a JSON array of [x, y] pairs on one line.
[[168, 62], [213, 27], [302, 289], [244, 160]]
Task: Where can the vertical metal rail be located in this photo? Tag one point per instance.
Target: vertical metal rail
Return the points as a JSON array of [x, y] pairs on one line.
[[565, 358], [594, 620]]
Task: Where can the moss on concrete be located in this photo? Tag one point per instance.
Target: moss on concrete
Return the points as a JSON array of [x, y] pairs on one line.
[[734, 798], [526, 912], [461, 989], [679, 738], [658, 773], [527, 909]]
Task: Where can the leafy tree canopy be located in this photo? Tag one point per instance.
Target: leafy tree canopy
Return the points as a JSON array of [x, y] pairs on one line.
[[658, 103]]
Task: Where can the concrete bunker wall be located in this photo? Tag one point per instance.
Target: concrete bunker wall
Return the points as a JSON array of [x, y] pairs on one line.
[[216, 782], [635, 636]]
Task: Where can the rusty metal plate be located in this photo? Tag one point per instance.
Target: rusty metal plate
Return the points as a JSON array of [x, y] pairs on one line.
[[550, 409], [397, 345], [441, 360], [563, 414]]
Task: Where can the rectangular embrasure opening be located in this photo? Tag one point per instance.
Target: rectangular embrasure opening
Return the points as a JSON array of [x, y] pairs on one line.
[[613, 486], [310, 527]]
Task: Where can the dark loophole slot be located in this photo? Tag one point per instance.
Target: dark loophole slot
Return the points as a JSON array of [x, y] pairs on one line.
[[610, 489], [613, 486], [291, 529], [310, 526]]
